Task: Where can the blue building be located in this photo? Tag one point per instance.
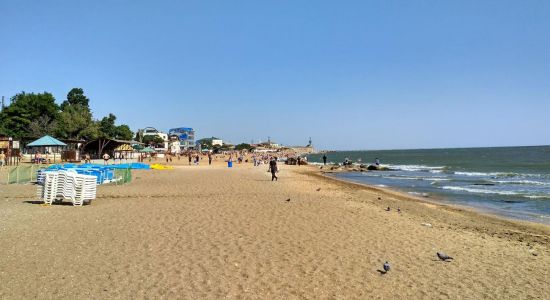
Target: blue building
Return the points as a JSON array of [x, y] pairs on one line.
[[185, 135]]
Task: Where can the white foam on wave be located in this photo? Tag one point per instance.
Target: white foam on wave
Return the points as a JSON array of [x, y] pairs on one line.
[[419, 194], [481, 191], [478, 191], [538, 196], [402, 177], [437, 179], [436, 169], [498, 174], [527, 182]]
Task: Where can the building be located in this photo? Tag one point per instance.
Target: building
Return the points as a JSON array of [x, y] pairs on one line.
[[301, 150], [185, 135], [211, 142], [151, 131]]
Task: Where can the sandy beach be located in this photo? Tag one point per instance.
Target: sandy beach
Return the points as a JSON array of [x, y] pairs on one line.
[[210, 232]]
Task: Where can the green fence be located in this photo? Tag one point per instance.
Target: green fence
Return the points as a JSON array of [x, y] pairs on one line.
[[22, 174], [28, 173], [123, 176]]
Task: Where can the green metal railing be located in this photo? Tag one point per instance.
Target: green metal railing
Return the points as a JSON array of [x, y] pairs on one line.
[[27, 173], [19, 174]]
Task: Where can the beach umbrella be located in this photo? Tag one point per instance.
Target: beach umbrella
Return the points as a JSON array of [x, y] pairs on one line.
[[124, 147], [137, 147], [148, 150]]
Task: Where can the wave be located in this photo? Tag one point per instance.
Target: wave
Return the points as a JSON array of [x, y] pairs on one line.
[[402, 177], [478, 191], [527, 182], [425, 195], [421, 168], [505, 193], [499, 174], [434, 179], [538, 196]]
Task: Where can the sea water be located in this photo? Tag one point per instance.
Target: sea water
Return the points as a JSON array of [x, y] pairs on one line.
[[509, 181]]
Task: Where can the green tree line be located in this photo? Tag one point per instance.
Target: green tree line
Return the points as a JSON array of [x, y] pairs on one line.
[[31, 115]]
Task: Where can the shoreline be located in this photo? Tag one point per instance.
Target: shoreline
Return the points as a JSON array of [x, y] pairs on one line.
[[500, 225], [442, 199]]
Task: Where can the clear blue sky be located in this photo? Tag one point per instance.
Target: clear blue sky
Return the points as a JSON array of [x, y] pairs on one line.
[[350, 74]]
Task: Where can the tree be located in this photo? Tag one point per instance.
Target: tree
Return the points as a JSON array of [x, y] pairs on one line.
[[42, 126], [108, 130], [26, 108], [152, 140], [205, 143], [107, 127], [243, 146], [76, 122], [76, 97], [75, 119], [123, 132]]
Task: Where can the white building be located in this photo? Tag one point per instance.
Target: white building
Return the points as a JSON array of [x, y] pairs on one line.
[[154, 132], [218, 142]]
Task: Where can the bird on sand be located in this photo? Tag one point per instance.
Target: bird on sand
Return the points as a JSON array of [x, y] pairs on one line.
[[288, 200], [386, 267], [388, 209], [398, 210], [443, 256]]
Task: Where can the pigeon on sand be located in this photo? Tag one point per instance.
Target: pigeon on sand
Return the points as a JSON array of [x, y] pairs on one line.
[[443, 256]]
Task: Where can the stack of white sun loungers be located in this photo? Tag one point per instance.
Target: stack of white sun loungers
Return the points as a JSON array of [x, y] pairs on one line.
[[61, 185]]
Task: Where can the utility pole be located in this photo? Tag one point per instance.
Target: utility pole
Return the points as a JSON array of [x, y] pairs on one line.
[[2, 108]]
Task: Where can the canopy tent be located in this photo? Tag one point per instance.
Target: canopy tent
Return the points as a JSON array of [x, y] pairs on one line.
[[148, 150], [124, 147], [137, 147], [47, 141]]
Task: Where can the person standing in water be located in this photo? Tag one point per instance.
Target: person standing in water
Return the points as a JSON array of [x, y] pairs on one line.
[[273, 168], [377, 161]]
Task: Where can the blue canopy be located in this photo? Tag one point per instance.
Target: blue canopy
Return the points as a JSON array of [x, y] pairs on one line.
[[46, 141]]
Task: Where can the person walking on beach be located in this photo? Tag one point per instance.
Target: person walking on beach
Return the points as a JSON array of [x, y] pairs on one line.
[[2, 159], [273, 168], [106, 158], [190, 157], [298, 160], [209, 158], [324, 159]]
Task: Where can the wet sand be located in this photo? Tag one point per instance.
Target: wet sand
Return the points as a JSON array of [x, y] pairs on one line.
[[210, 232]]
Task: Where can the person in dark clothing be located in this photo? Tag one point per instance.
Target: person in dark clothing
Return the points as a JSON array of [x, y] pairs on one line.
[[324, 159], [273, 169], [298, 161], [190, 157]]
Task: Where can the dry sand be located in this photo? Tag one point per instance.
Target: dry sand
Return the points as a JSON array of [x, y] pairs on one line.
[[210, 232]]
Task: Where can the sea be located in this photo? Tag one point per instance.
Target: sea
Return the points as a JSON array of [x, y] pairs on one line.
[[512, 182]]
